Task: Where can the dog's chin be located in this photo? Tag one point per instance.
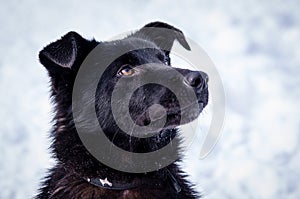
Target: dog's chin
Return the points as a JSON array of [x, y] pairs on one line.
[[186, 116]]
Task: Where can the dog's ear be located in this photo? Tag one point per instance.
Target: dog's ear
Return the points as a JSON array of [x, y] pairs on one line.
[[63, 57], [62, 54], [163, 35]]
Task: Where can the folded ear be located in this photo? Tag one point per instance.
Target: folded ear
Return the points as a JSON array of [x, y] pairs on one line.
[[163, 35], [61, 54]]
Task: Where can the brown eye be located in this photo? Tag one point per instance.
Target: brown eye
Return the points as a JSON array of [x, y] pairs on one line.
[[126, 71]]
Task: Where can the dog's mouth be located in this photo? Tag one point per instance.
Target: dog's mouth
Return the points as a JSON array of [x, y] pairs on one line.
[[173, 117]]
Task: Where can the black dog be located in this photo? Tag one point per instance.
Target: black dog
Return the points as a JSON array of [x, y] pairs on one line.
[[78, 174]]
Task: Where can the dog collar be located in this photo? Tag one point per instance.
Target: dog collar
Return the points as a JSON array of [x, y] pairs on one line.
[[107, 184], [114, 185]]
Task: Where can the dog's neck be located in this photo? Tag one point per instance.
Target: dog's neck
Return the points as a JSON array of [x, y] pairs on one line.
[[70, 151], [102, 176]]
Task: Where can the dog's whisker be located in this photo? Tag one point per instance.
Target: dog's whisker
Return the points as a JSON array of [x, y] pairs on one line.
[[112, 141], [130, 137]]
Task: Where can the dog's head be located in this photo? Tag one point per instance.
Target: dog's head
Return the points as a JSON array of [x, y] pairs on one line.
[[148, 88]]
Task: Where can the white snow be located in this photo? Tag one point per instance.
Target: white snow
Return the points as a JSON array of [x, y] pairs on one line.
[[254, 45]]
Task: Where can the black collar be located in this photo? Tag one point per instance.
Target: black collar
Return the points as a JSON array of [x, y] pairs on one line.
[[114, 185]]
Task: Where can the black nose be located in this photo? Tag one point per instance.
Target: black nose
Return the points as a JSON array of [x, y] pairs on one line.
[[197, 79]]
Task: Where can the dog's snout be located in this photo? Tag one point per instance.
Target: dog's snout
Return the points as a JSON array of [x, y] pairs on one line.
[[197, 79]]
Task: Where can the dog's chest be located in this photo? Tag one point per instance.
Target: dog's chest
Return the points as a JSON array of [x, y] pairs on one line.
[[130, 194]]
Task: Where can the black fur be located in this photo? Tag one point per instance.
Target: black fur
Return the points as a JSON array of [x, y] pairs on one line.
[[62, 60]]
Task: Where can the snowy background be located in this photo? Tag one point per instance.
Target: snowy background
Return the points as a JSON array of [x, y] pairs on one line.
[[254, 45]]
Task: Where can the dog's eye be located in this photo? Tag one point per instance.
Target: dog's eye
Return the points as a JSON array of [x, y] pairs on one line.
[[126, 71]]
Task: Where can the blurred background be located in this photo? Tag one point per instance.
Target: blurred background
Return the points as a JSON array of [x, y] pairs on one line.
[[254, 45]]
